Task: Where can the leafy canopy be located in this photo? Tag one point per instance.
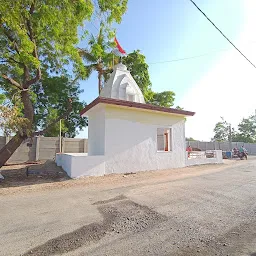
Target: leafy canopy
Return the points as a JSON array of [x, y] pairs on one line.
[[51, 102], [10, 117], [41, 33], [246, 131], [39, 38], [2, 98], [221, 131]]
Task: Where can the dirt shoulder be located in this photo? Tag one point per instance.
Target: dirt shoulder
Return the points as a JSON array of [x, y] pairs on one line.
[[47, 176]]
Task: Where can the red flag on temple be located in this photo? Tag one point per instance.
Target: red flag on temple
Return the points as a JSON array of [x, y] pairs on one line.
[[119, 51]]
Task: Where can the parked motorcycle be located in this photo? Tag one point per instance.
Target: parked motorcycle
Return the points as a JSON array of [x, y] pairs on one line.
[[242, 155]]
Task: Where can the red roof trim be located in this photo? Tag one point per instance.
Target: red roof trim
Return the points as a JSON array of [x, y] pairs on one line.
[[131, 104]]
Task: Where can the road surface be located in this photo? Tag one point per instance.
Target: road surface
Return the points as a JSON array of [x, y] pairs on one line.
[[201, 210]]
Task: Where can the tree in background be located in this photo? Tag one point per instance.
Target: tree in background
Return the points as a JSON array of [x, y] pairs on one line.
[[51, 102], [136, 64], [97, 55], [2, 98], [38, 36], [162, 99], [221, 131], [190, 139], [11, 118], [246, 131]]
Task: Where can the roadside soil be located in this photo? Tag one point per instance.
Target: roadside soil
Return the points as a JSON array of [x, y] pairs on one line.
[[16, 175]]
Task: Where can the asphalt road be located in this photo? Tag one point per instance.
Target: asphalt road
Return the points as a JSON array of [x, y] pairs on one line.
[[206, 210]]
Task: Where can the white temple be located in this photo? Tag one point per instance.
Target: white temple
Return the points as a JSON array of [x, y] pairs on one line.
[[122, 86], [125, 134]]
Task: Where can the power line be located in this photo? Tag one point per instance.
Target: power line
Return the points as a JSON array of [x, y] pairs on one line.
[[187, 58], [222, 33]]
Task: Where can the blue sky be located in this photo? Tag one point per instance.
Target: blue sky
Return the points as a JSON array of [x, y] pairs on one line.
[[165, 30]]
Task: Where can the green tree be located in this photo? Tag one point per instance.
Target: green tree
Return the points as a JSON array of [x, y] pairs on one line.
[[41, 35], [50, 104], [221, 131], [162, 99], [2, 98], [190, 139], [11, 118], [98, 56], [136, 64], [247, 130]]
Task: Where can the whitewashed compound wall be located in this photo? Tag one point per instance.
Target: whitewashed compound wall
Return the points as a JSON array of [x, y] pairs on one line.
[[225, 146], [44, 148]]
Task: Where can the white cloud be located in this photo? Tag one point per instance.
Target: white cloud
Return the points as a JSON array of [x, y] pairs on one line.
[[229, 88]]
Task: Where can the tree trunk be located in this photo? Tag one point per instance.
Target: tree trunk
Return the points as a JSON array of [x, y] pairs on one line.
[[28, 107], [99, 81], [7, 151]]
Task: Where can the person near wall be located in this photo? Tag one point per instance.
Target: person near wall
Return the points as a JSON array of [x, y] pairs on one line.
[[243, 151], [189, 150], [235, 152]]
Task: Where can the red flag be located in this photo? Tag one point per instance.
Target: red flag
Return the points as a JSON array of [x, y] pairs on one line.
[[120, 49]]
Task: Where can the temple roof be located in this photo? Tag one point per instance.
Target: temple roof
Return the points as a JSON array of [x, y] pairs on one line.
[[122, 86]]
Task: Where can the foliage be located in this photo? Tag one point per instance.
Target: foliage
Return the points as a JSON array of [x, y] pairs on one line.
[[41, 36], [40, 33], [136, 64], [51, 102], [221, 131], [246, 131], [190, 139], [163, 99], [2, 98], [38, 37], [11, 120], [98, 56], [113, 10]]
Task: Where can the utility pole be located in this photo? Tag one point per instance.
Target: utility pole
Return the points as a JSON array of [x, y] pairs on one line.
[[60, 137], [230, 138]]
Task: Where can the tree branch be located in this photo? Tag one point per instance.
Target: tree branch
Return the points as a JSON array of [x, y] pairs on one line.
[[26, 74], [64, 116], [35, 54], [12, 81], [13, 60], [35, 79], [10, 37], [32, 8]]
